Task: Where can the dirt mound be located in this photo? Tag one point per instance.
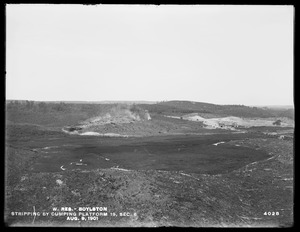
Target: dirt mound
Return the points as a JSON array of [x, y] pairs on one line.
[[112, 122], [119, 114], [232, 122]]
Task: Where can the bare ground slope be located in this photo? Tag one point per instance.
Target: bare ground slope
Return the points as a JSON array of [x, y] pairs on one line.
[[161, 198]]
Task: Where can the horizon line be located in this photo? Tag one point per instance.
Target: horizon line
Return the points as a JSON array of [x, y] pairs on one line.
[[147, 101]]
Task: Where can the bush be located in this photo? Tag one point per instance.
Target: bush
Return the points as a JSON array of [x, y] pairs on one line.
[[277, 122]]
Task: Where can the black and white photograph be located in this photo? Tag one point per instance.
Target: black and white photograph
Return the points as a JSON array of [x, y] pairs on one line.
[[149, 115]]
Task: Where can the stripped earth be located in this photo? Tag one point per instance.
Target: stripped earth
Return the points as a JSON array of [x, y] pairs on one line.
[[149, 169]]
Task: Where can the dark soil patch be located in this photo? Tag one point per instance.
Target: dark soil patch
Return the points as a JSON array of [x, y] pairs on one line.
[[191, 154]]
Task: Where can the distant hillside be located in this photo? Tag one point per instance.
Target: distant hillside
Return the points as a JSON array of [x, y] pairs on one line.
[[289, 113], [283, 107], [84, 102], [184, 107], [61, 114]]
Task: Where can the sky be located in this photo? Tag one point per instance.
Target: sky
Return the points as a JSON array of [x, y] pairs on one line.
[[226, 54]]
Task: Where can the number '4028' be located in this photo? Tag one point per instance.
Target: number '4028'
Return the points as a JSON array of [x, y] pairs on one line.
[[271, 213]]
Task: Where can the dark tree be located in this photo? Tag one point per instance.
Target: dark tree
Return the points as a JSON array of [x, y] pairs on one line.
[[277, 122]]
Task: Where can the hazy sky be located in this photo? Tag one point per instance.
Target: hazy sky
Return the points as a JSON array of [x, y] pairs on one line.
[[216, 54]]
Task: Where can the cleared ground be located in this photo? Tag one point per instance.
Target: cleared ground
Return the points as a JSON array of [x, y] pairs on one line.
[[191, 154], [186, 175]]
